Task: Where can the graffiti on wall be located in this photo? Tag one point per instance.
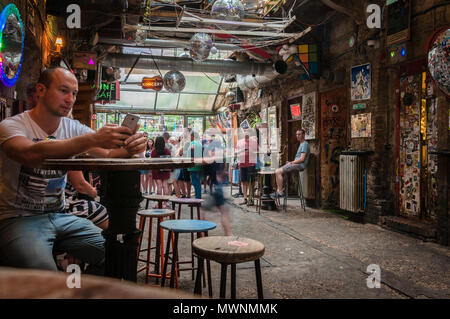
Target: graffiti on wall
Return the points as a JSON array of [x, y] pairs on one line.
[[410, 92], [333, 140], [432, 165], [309, 115]]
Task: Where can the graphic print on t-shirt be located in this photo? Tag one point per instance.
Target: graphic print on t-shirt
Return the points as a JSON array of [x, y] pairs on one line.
[[41, 189]]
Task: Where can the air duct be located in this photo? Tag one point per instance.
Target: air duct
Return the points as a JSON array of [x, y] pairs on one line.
[[248, 82], [163, 43], [189, 65]]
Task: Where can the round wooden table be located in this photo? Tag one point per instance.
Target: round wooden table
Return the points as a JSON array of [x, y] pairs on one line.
[[122, 197]]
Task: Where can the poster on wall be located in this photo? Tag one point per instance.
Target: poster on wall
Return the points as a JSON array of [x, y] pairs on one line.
[[361, 82], [309, 115], [361, 125]]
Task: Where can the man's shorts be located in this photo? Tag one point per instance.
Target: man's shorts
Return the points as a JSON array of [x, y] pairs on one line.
[[247, 172], [293, 168], [219, 199]]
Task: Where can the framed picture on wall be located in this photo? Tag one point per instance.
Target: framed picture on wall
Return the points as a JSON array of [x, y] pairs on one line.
[[361, 125], [361, 82]]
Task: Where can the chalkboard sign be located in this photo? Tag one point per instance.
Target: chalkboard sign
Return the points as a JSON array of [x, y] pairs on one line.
[[398, 21]]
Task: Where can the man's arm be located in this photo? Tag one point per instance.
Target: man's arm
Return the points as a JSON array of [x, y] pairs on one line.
[[134, 145], [301, 159], [78, 181], [31, 154]]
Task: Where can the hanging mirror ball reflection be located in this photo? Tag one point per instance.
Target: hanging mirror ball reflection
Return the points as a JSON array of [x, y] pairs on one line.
[[439, 61], [230, 96], [11, 45], [174, 81], [201, 45], [231, 10], [140, 35]]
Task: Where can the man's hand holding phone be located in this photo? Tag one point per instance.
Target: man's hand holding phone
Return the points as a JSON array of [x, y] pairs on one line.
[[137, 142]]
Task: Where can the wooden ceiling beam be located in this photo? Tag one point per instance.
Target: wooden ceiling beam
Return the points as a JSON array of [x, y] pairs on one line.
[[339, 6]]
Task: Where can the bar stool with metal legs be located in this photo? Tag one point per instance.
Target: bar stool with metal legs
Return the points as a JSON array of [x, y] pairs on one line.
[[228, 250], [160, 214], [177, 227], [300, 192], [263, 174]]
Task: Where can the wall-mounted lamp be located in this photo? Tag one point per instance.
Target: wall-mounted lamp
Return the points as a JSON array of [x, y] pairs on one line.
[[59, 44]]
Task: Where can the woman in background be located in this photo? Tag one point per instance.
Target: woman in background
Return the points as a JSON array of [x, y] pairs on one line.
[[150, 181], [161, 176]]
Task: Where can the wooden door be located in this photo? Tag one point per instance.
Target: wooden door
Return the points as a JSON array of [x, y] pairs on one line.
[[410, 160], [333, 135]]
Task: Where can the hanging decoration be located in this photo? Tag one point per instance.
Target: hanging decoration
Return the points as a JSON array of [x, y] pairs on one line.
[[140, 36], [153, 83], [231, 10], [11, 45], [201, 45], [230, 96], [174, 81]]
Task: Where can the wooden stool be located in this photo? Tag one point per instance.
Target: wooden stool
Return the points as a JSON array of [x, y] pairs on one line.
[[160, 214], [157, 198], [191, 202], [262, 174], [228, 250], [184, 226]]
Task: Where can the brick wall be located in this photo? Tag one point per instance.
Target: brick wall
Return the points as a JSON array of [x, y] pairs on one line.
[[337, 55]]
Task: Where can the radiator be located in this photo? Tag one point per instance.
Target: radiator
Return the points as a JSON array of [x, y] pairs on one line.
[[351, 183], [308, 178]]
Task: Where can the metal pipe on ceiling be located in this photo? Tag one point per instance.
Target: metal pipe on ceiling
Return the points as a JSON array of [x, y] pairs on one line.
[[161, 43], [186, 64], [143, 110]]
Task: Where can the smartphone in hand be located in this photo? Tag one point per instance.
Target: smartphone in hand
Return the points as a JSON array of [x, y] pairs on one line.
[[130, 121]]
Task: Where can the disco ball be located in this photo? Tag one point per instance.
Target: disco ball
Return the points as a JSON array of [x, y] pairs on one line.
[[201, 45], [213, 50], [185, 54], [230, 96], [174, 81], [231, 10]]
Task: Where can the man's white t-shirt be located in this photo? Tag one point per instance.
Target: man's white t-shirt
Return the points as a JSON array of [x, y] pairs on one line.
[[28, 191]]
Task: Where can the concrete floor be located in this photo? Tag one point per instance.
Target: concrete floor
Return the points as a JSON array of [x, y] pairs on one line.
[[317, 254]]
